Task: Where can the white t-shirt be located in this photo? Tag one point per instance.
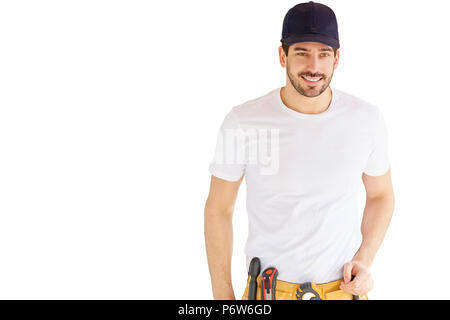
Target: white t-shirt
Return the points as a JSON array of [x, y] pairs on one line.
[[302, 173]]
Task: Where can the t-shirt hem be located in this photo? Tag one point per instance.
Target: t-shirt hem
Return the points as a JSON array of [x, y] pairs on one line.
[[224, 176], [377, 173]]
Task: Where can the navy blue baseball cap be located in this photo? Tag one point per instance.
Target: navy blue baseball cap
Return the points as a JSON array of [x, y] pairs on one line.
[[310, 21]]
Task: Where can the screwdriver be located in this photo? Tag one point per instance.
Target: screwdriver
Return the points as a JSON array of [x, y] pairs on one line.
[[253, 271]]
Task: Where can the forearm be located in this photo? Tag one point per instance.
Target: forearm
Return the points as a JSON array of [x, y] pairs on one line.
[[219, 247], [377, 216]]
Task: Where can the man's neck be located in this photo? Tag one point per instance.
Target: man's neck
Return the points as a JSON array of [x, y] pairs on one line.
[[297, 102]]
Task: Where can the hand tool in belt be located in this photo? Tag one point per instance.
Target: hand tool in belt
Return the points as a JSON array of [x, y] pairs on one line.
[[253, 272], [307, 292], [355, 297], [268, 282]]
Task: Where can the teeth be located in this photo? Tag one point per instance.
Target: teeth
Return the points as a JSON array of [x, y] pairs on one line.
[[312, 79]]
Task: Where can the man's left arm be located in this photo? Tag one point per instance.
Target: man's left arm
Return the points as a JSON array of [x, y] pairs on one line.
[[377, 216]]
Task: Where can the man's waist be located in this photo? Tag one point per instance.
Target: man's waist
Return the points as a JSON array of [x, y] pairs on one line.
[[318, 269], [284, 290]]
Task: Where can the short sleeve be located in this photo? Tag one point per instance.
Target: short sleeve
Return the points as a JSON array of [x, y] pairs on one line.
[[229, 156], [378, 161]]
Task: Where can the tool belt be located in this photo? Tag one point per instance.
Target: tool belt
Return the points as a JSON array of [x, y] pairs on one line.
[[267, 287], [306, 291]]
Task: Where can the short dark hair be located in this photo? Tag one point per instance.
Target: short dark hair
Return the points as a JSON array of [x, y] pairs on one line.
[[286, 49]]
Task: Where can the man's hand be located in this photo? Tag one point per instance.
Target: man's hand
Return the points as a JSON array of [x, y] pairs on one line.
[[362, 282]]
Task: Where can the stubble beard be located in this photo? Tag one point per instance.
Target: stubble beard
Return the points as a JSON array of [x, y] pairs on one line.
[[311, 92]]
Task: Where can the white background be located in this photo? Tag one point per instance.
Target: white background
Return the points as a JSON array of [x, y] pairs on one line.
[[109, 112]]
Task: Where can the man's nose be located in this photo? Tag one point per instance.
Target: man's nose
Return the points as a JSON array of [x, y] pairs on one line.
[[313, 64]]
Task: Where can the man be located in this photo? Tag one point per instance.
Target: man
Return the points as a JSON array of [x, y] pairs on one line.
[[302, 199]]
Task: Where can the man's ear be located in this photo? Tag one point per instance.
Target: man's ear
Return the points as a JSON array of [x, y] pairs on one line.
[[336, 59], [282, 57]]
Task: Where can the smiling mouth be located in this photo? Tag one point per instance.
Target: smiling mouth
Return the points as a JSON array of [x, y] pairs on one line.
[[312, 80]]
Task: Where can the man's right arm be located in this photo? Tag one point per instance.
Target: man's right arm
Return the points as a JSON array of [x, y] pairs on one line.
[[219, 235]]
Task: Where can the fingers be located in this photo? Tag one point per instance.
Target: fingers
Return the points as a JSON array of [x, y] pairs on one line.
[[360, 285], [354, 287], [348, 272]]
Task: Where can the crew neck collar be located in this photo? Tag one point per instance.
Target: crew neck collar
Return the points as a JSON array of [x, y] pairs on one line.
[[298, 114]]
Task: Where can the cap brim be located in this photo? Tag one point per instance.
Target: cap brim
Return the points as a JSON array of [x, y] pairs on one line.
[[311, 37]]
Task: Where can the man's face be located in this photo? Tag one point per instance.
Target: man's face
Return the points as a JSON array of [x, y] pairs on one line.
[[310, 67]]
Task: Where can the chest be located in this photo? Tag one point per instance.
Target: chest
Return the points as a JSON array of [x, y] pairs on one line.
[[331, 155]]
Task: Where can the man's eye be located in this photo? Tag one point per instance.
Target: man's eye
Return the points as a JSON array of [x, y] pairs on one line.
[[322, 54]]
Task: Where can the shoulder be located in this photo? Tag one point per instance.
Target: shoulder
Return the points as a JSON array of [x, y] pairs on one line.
[[357, 106], [255, 107]]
